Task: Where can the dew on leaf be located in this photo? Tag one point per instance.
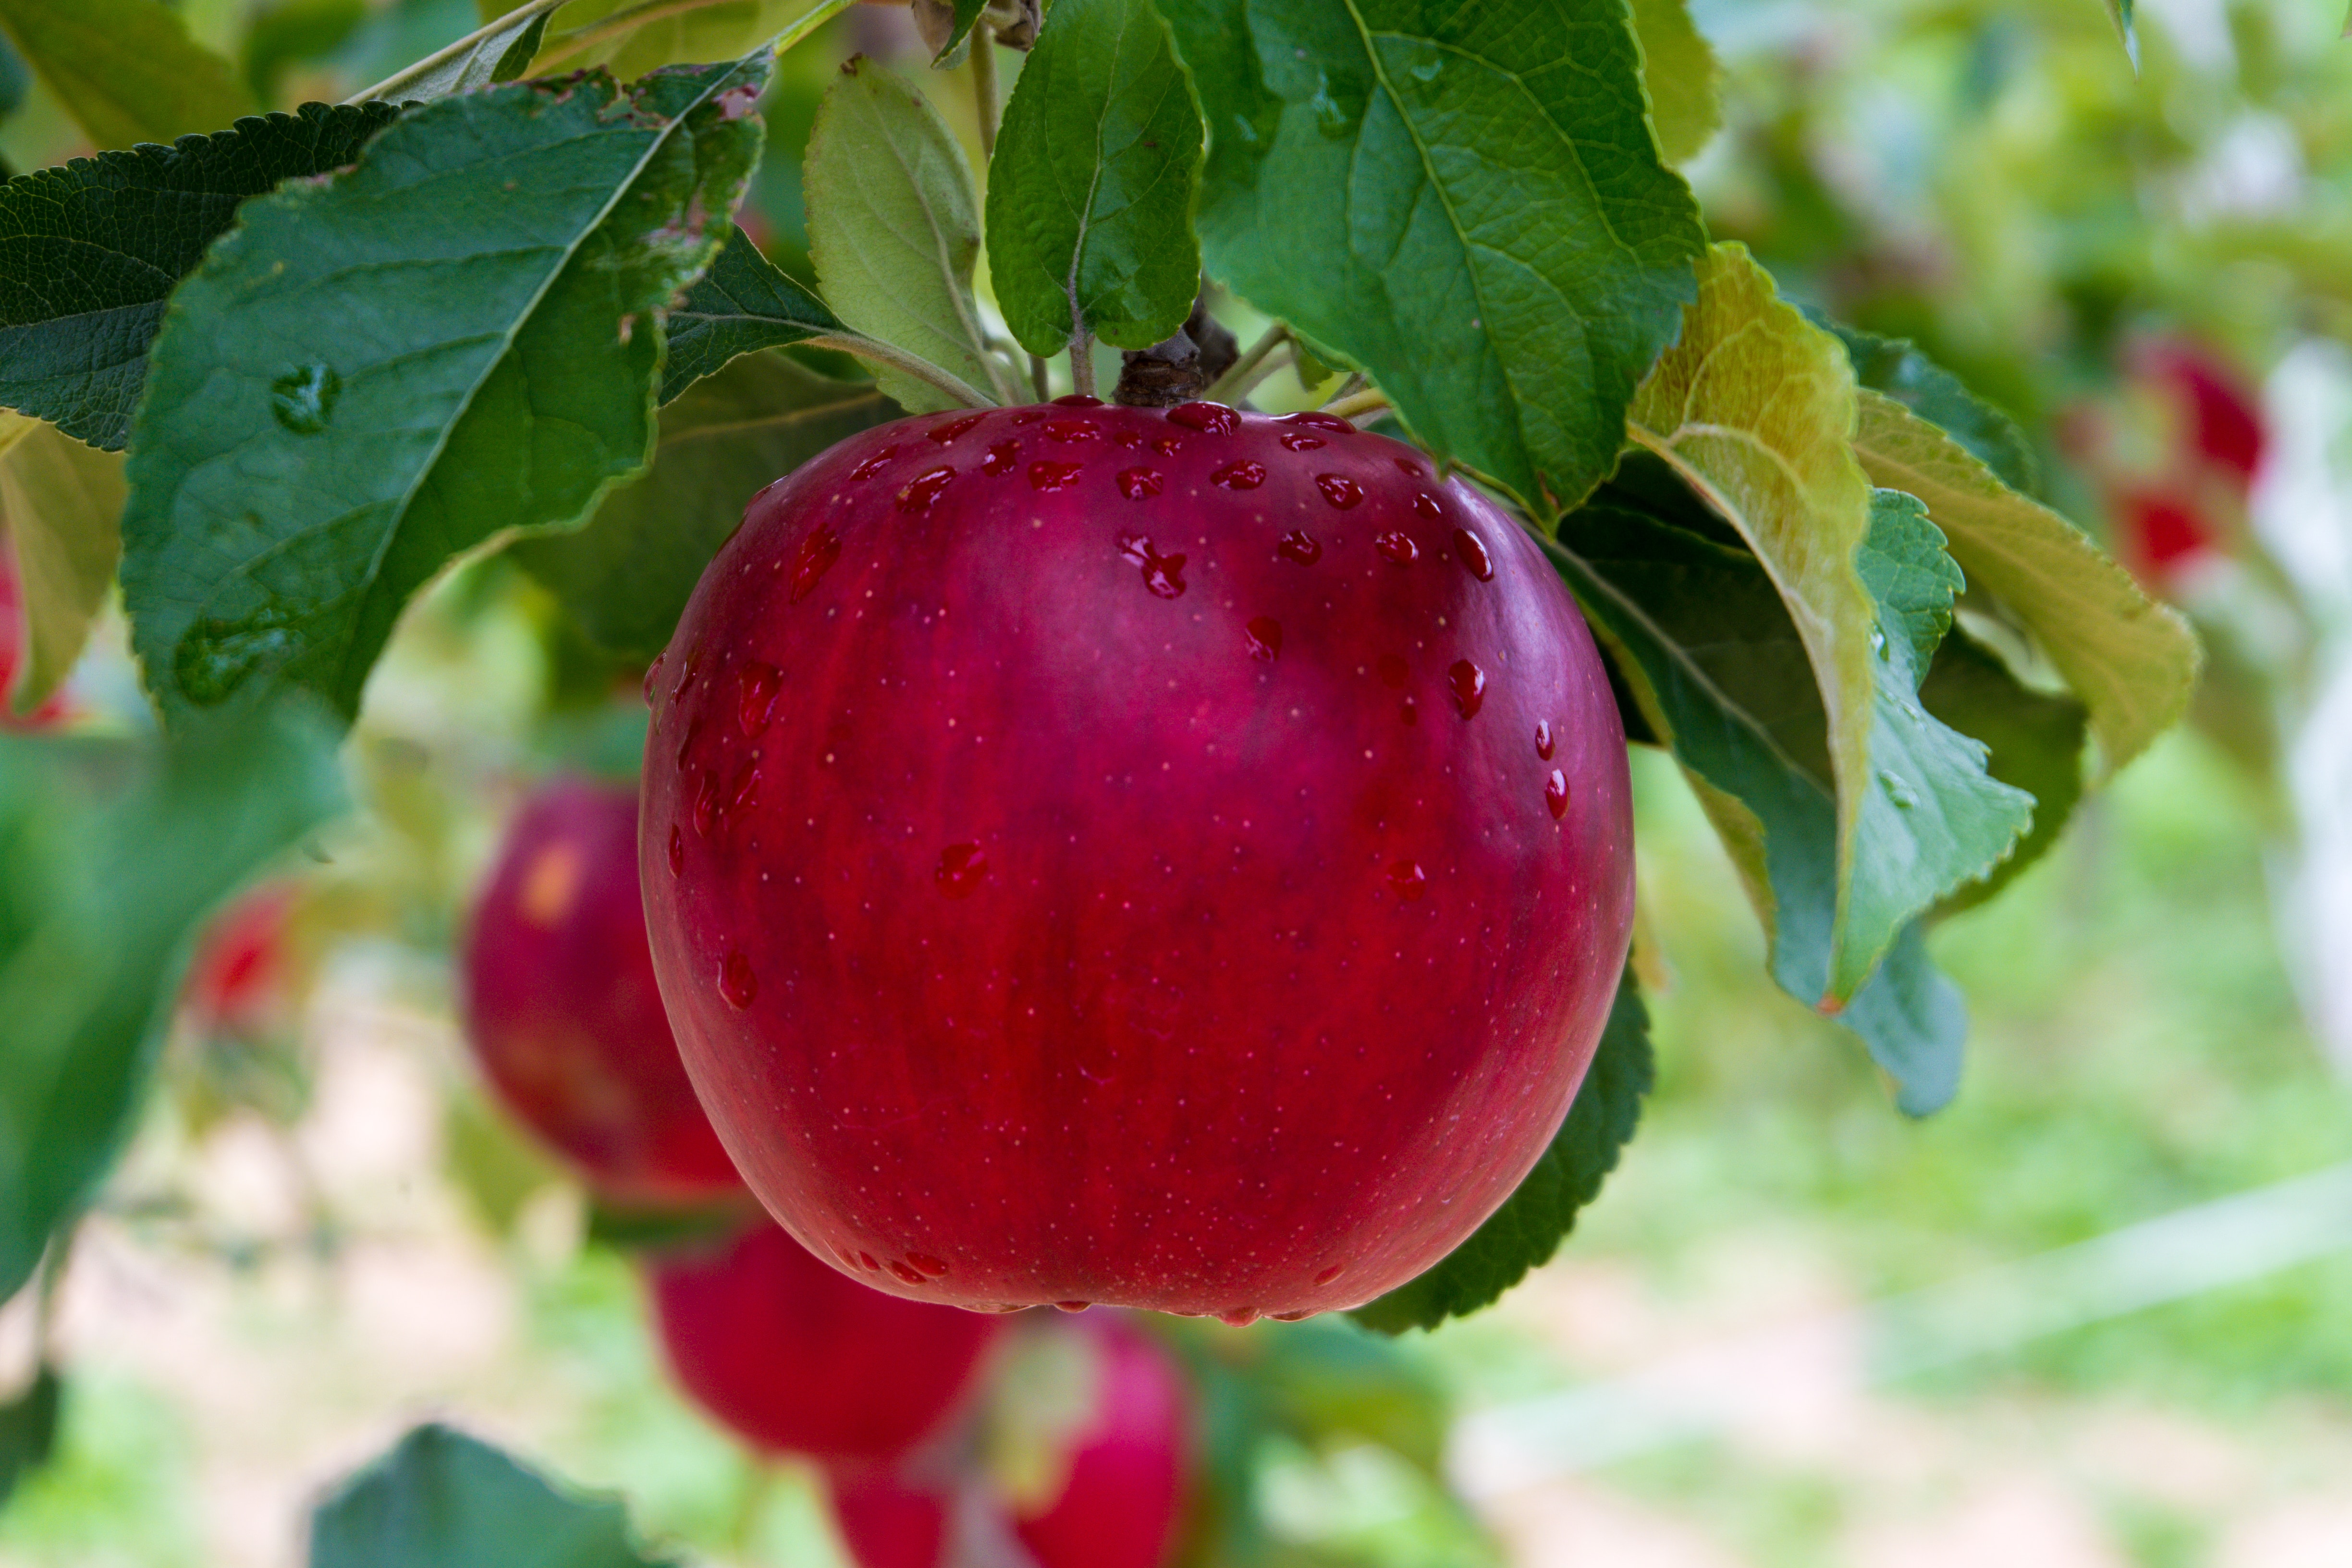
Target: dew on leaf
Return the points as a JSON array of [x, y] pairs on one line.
[[304, 400]]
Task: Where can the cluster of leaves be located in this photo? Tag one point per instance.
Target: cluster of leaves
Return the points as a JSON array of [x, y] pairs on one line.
[[342, 348]]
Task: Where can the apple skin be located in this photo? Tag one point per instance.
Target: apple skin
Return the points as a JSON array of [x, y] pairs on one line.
[[1131, 1467], [1074, 878], [887, 1519], [562, 1011], [795, 1358]]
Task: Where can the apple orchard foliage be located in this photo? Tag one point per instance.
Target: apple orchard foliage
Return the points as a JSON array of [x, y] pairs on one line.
[[277, 376]]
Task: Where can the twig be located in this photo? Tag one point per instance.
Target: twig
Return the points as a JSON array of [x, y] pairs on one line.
[[899, 359], [442, 57], [1348, 388], [1081, 365], [1371, 400], [1221, 390], [984, 86]]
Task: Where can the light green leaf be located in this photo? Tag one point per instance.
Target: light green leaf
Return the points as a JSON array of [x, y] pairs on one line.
[[946, 27], [450, 1501], [1537, 1217], [1090, 196], [60, 503], [1721, 677], [1896, 367], [627, 575], [499, 52], [632, 37], [2036, 741], [125, 69], [100, 884], [2132, 661], [90, 252], [894, 230], [2120, 12], [375, 373], [1681, 75], [745, 303], [1464, 200]]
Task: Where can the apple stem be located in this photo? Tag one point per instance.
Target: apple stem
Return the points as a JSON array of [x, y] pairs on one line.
[[1236, 382], [983, 86], [1371, 400], [1039, 375]]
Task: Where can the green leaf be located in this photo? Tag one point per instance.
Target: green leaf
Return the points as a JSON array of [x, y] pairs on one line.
[[380, 372], [1464, 201], [745, 303], [28, 1430], [894, 231], [1897, 368], [89, 251], [494, 55], [2132, 661], [946, 26], [2120, 12], [1681, 75], [1328, 1386], [633, 37], [1090, 196], [59, 504], [1752, 409], [662, 1229], [125, 69], [1533, 1221], [1708, 652], [102, 881], [453, 1501], [2036, 741], [626, 576]]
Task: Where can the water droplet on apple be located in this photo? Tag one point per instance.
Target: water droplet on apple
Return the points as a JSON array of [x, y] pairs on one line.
[[743, 792], [1543, 739], [706, 803], [1469, 685], [1300, 545], [1299, 441], [1047, 477], [1316, 419], [865, 1261], [1408, 881], [1399, 548], [1168, 445], [924, 489], [1077, 400], [653, 679], [1426, 506], [1556, 794], [813, 559], [737, 983], [904, 1272], [1291, 1317], [1072, 1306], [931, 1265], [1003, 458], [1140, 484], [1163, 574], [1264, 635], [962, 869], [759, 685], [1339, 489], [955, 429], [1330, 1274], [1473, 550], [1072, 430], [1241, 474], [676, 851], [1209, 418], [1238, 1317], [873, 465], [1410, 469]]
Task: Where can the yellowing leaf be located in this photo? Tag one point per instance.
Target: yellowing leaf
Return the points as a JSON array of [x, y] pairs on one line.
[[2131, 661], [61, 503], [1680, 74]]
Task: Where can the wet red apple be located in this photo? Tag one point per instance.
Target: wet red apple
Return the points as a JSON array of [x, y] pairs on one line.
[[1092, 853], [795, 1358], [562, 1011]]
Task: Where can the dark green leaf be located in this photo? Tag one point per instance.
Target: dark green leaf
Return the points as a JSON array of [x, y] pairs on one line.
[[377, 372], [628, 573], [894, 232], [1328, 1386], [1533, 1220], [28, 1430], [101, 882], [15, 77], [2036, 741], [662, 1230], [1465, 201], [125, 69], [1090, 196], [744, 303], [1706, 645], [448, 1500], [89, 251], [1896, 367]]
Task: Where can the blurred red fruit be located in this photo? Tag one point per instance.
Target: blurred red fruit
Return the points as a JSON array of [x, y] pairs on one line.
[[1105, 855], [562, 1010], [2221, 414], [55, 710], [888, 1520], [797, 1358], [1130, 1464], [238, 981]]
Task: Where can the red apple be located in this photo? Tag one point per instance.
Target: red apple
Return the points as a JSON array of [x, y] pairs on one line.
[[1129, 1463], [562, 1011], [795, 1358], [238, 981], [888, 1519], [1173, 859]]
